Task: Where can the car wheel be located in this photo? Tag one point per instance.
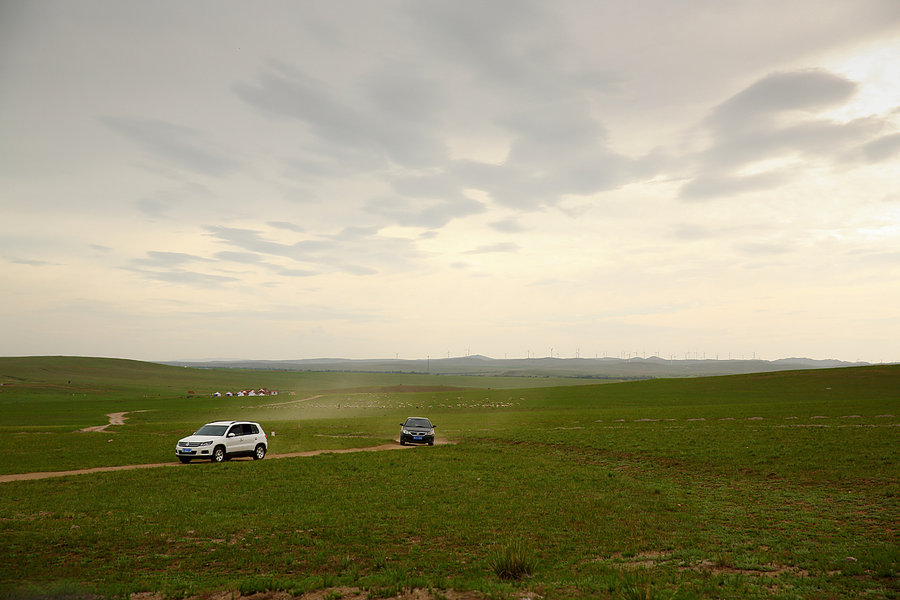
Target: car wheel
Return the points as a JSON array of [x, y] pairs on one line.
[[184, 460], [402, 443], [259, 453], [218, 454], [431, 443]]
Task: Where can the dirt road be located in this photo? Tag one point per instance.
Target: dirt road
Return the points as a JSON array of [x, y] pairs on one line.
[[49, 474], [114, 419], [117, 418]]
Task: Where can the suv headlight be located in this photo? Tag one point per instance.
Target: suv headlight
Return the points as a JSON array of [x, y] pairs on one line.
[[209, 443]]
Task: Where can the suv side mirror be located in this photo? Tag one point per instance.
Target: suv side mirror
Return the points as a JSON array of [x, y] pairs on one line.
[[231, 435]]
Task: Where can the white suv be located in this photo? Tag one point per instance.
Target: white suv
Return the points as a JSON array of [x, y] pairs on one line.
[[221, 440]]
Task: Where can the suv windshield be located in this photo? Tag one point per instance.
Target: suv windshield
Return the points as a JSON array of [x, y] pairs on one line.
[[212, 430], [418, 423]]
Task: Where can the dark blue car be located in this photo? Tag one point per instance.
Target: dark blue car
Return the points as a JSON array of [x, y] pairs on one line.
[[416, 430]]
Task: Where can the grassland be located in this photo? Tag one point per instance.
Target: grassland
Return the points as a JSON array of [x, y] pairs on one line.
[[779, 485]]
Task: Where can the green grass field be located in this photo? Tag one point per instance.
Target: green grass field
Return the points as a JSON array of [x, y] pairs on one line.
[[779, 485]]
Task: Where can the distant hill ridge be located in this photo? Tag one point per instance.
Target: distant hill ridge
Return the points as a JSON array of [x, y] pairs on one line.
[[599, 368]]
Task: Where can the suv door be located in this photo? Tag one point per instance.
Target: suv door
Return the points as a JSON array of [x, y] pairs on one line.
[[254, 434], [236, 442], [249, 440]]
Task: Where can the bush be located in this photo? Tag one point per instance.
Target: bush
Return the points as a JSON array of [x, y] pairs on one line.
[[513, 561]]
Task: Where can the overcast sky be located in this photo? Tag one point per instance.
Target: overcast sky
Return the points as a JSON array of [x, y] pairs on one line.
[[413, 178]]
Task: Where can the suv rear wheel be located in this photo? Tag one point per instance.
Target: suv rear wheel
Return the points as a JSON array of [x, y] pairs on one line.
[[260, 452]]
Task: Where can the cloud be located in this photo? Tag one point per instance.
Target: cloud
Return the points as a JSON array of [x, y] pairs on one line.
[[168, 267], [689, 232], [286, 272], [425, 201], [353, 250], [156, 206], [549, 162], [285, 225], [418, 212], [167, 259], [253, 259], [399, 113], [764, 248], [557, 150], [239, 257], [727, 185], [172, 273], [403, 92], [882, 148], [247, 239], [374, 128], [30, 262], [500, 247], [507, 226], [889, 259], [807, 91], [543, 100], [768, 133], [510, 45], [483, 40], [173, 143], [821, 138], [192, 278]]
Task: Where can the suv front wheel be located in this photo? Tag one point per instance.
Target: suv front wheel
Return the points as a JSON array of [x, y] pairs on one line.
[[218, 454]]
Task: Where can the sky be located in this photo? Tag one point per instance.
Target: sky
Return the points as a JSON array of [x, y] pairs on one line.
[[433, 178]]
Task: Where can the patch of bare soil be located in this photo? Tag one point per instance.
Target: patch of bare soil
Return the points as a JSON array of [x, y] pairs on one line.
[[653, 558], [770, 570], [344, 593], [117, 418], [114, 419]]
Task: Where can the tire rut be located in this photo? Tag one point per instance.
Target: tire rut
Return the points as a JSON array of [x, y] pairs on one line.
[[51, 474]]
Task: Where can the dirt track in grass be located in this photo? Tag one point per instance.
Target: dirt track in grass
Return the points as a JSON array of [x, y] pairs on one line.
[[48, 474], [119, 419], [116, 418]]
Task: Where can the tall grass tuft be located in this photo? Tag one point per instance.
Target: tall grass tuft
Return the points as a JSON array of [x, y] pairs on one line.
[[513, 561]]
